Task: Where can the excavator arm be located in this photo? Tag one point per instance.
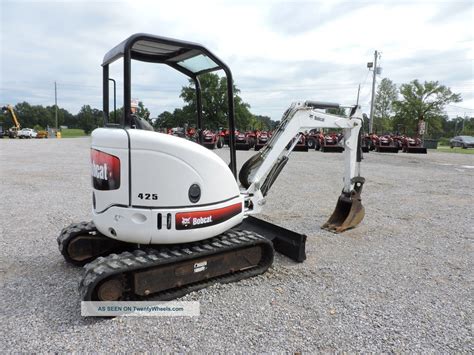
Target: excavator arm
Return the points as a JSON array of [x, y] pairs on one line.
[[260, 171]]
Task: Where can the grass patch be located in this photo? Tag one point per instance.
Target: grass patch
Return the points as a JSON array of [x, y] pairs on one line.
[[459, 150], [72, 133]]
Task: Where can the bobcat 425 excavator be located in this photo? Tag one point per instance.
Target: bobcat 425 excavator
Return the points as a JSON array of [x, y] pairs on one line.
[[169, 216]]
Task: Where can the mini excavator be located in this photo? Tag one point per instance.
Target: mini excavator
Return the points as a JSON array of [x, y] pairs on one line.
[[169, 215]]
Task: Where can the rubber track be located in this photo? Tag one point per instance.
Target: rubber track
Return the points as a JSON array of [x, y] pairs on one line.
[[141, 259], [70, 232]]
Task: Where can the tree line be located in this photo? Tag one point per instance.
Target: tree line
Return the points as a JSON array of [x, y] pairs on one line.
[[214, 102], [401, 109], [397, 109]]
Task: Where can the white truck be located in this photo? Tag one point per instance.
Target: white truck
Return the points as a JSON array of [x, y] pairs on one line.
[[27, 133]]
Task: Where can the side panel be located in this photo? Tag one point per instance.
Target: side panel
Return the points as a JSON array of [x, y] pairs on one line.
[[164, 167], [160, 179], [109, 168], [169, 226]]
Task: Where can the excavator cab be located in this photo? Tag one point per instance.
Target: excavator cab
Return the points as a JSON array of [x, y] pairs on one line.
[[188, 58], [192, 60]]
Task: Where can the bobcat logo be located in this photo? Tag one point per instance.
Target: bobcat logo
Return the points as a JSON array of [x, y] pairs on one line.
[[186, 221]]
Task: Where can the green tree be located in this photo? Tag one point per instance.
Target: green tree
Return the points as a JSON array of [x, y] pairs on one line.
[[179, 118], [29, 115], [387, 93], [143, 111], [458, 126], [265, 123], [89, 118], [164, 120], [214, 103], [37, 115], [244, 120], [423, 102]]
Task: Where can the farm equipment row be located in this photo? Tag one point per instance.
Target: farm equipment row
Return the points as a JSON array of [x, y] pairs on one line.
[[392, 144], [312, 140], [325, 142]]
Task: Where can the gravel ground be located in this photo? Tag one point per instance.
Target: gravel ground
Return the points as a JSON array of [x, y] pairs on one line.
[[400, 282]]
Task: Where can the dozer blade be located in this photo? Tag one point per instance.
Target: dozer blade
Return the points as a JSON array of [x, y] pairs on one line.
[[416, 150], [285, 241], [349, 211]]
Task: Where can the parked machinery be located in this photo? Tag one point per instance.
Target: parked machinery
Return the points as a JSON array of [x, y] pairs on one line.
[[385, 144], [261, 138], [312, 139], [177, 132], [398, 140], [212, 140], [412, 145], [330, 142], [298, 143], [12, 132], [42, 134], [371, 140], [244, 140], [225, 134], [366, 143]]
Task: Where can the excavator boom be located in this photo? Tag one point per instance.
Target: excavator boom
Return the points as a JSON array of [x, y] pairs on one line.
[[260, 171], [9, 108], [13, 131]]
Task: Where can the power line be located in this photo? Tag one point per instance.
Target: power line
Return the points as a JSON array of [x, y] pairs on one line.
[[462, 108]]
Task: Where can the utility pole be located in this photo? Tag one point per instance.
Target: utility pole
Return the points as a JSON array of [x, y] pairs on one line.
[[56, 105], [372, 102], [358, 92]]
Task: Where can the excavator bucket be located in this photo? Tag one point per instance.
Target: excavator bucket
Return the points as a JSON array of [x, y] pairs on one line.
[[349, 211]]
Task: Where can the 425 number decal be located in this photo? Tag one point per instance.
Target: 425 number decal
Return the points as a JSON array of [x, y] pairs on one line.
[[147, 196]]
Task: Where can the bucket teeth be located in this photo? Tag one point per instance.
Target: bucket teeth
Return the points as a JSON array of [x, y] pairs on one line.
[[349, 211]]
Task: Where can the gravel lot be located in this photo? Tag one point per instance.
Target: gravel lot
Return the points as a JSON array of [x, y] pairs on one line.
[[402, 281]]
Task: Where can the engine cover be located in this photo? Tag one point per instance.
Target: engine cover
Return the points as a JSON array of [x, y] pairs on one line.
[[151, 187]]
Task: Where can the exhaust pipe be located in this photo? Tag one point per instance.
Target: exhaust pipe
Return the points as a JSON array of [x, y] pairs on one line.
[[349, 211]]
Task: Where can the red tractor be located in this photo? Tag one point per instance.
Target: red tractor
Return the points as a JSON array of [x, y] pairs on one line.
[[366, 143], [312, 139], [301, 145], [398, 140], [371, 140], [330, 142], [244, 140], [262, 137], [191, 134], [385, 144], [177, 131], [211, 140], [225, 135], [413, 145]]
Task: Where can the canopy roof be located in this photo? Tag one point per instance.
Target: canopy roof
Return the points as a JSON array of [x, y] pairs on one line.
[[190, 58]]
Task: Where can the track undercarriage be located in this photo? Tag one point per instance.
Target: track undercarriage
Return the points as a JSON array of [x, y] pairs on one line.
[[163, 272]]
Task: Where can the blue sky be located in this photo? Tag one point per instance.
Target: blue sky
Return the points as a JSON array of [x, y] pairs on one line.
[[279, 52]]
